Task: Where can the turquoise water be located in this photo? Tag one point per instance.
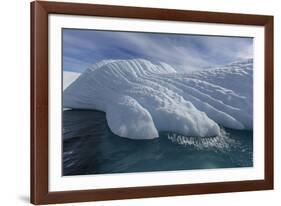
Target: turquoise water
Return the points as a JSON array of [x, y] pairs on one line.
[[89, 147]]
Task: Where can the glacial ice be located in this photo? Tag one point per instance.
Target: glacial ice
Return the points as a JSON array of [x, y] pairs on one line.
[[69, 78], [141, 98]]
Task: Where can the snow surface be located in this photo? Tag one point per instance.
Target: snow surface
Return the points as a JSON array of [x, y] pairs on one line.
[[69, 78], [141, 98]]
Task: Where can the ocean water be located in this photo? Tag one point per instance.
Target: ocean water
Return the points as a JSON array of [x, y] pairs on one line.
[[89, 147]]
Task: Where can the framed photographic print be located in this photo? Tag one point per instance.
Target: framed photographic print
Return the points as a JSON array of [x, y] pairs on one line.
[[131, 102]]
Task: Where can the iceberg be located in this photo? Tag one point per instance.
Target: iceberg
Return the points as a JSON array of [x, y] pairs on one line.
[[141, 98], [69, 78]]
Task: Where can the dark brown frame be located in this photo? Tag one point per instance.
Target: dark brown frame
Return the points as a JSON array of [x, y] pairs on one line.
[[39, 102]]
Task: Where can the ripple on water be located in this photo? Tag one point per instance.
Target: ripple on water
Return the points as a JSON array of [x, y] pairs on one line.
[[89, 147]]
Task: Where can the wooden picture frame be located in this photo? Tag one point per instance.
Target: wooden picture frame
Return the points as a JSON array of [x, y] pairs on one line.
[[40, 193]]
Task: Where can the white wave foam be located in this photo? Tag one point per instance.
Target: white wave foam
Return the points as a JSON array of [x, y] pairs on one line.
[[221, 142]]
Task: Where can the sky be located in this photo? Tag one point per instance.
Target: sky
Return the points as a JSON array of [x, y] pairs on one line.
[[82, 48]]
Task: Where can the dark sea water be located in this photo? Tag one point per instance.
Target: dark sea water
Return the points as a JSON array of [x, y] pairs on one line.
[[89, 147]]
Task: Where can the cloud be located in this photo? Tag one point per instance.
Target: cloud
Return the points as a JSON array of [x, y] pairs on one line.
[[183, 52], [74, 64]]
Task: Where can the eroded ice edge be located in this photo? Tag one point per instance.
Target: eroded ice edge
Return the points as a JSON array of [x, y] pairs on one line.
[[141, 98]]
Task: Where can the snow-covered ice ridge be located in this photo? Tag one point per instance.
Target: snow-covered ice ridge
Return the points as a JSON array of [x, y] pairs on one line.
[[141, 98]]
